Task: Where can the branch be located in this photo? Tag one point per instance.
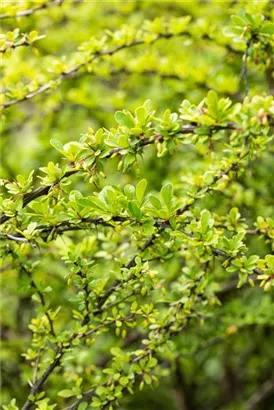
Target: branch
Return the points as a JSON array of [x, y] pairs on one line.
[[12, 237], [60, 353], [95, 56], [28, 12], [186, 129], [41, 297], [161, 335], [146, 72], [180, 388], [224, 254], [36, 193], [161, 226], [244, 69], [23, 42], [75, 69], [260, 395], [131, 263], [89, 222]]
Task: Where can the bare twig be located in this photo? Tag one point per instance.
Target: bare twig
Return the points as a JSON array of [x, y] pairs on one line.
[[36, 366], [260, 395], [244, 68]]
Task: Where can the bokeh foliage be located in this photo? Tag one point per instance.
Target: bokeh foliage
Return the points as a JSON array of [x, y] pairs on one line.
[[137, 201]]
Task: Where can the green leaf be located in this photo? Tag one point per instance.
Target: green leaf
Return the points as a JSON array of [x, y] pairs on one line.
[[129, 159], [116, 351], [212, 104], [124, 119], [123, 141], [141, 114], [129, 190], [239, 237], [147, 378], [66, 393], [206, 221], [167, 193], [268, 28], [270, 261], [82, 406], [57, 145], [123, 381], [134, 210], [152, 362], [155, 202], [252, 261], [92, 203], [101, 390], [140, 190], [238, 21], [96, 402]]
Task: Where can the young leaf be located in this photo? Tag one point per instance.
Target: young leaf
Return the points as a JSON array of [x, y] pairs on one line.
[[206, 221], [57, 145], [212, 104], [134, 210], [155, 202], [140, 190], [66, 393], [124, 119], [167, 193]]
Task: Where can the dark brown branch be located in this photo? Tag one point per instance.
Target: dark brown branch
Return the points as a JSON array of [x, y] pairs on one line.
[[87, 395], [180, 387], [35, 388], [223, 254], [89, 222], [165, 329], [186, 129], [60, 353], [161, 227]]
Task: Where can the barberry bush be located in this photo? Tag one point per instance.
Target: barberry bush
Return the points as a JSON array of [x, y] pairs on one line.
[[137, 222]]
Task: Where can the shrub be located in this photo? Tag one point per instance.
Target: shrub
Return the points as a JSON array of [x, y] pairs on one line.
[[138, 258]]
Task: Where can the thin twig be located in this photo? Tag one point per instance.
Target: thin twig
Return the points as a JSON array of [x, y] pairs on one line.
[[75, 69], [22, 43], [244, 68], [28, 12], [260, 395], [132, 262], [42, 299], [186, 129], [60, 353], [36, 366]]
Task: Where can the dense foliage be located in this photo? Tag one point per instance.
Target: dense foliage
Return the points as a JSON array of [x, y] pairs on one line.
[[137, 204]]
